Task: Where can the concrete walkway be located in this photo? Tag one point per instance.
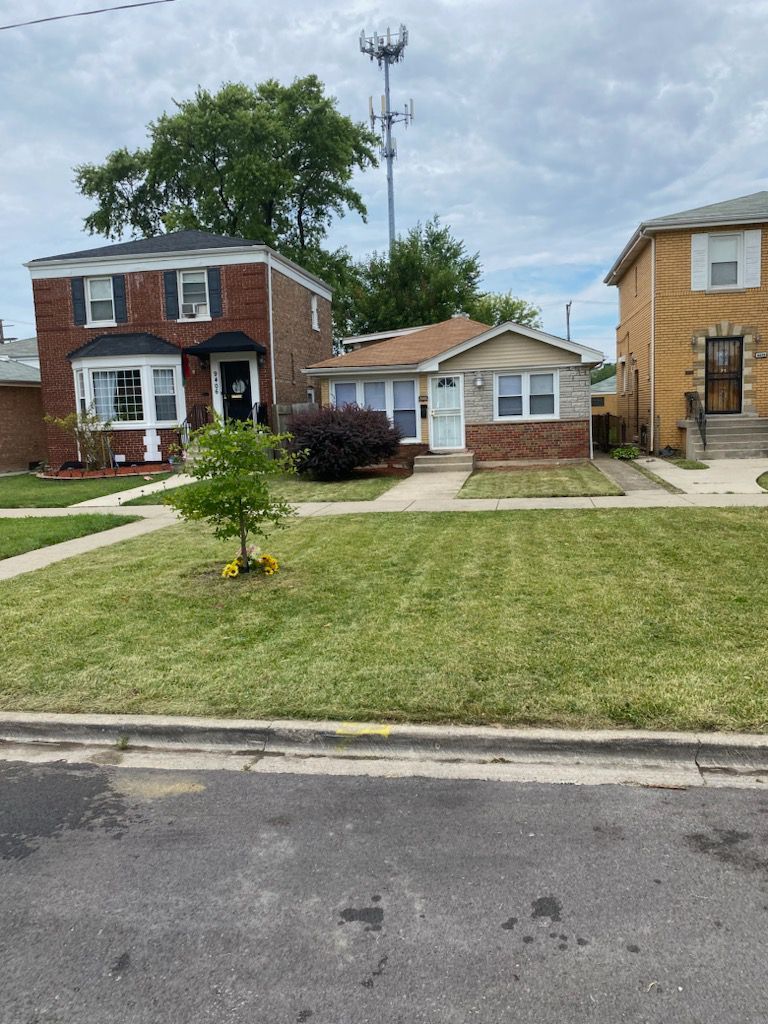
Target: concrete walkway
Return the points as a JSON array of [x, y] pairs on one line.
[[427, 487], [118, 497], [31, 560], [625, 476], [723, 476]]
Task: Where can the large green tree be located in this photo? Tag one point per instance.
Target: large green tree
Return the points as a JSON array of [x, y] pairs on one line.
[[273, 162], [426, 277]]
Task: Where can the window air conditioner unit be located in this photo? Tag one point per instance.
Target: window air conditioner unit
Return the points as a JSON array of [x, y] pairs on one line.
[[189, 310]]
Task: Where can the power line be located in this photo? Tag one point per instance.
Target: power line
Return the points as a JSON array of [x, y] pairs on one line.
[[83, 14]]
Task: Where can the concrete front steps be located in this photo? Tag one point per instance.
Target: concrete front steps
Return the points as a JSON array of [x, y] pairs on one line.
[[729, 437], [450, 462]]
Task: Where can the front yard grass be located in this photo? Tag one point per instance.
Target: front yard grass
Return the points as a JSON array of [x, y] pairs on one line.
[[25, 490], [539, 482], [299, 489], [644, 617], [31, 532], [762, 481], [689, 464]]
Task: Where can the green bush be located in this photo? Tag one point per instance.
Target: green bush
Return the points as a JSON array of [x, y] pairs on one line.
[[627, 453]]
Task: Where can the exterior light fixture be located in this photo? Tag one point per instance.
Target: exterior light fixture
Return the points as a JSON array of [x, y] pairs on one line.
[[479, 382]]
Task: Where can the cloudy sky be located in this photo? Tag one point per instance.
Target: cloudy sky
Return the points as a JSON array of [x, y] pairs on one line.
[[545, 130]]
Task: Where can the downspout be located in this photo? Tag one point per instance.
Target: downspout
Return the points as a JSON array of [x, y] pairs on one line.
[[271, 332], [653, 345], [591, 443]]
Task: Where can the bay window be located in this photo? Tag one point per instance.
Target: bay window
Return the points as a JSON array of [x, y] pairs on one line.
[[130, 393], [526, 395], [396, 398]]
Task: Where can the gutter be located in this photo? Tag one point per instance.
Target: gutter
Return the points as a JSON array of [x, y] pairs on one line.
[[652, 436]]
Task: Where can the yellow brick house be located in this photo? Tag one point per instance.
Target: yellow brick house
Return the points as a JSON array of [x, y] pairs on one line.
[[692, 336]]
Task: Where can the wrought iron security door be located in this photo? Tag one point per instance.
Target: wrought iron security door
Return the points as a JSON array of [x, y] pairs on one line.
[[724, 375]]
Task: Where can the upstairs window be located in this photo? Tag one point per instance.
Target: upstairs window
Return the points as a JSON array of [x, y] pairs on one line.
[[725, 260], [101, 300], [193, 289], [724, 251]]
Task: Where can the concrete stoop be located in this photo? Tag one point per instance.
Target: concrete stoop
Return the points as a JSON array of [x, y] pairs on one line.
[[450, 462], [729, 437]]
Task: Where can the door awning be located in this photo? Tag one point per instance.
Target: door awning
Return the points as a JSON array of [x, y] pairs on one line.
[[226, 341]]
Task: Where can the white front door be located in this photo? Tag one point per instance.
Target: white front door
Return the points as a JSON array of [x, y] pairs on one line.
[[446, 412]]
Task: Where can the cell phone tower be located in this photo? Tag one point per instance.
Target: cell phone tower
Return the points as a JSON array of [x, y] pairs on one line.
[[387, 49]]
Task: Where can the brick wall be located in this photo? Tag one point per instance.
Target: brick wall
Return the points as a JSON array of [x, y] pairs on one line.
[[297, 344], [681, 315], [244, 308], [22, 432], [558, 439]]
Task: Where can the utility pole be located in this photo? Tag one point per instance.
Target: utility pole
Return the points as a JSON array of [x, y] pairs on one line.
[[386, 50], [568, 305]]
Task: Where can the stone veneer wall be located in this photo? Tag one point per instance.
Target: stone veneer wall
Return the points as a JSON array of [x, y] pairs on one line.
[[575, 396]]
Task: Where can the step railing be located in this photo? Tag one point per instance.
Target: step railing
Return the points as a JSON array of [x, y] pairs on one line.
[[197, 417], [695, 411]]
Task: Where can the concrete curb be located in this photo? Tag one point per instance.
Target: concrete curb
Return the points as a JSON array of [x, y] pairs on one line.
[[717, 752]]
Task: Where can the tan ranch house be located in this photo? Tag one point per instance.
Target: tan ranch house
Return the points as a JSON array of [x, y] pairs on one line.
[[503, 393], [692, 338]]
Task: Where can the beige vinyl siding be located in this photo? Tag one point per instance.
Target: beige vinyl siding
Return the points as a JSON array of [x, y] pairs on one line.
[[510, 351], [423, 390]]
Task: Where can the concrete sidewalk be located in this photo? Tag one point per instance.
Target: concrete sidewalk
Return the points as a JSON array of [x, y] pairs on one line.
[[31, 560]]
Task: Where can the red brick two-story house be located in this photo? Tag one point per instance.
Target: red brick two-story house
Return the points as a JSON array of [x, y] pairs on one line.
[[153, 333]]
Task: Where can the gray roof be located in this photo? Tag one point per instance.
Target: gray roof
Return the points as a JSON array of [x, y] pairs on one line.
[[126, 345], [605, 387], [12, 372], [23, 348], [753, 207], [174, 241]]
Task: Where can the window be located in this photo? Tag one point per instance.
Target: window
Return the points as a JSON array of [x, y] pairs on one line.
[[117, 395], [344, 394], [315, 315], [101, 302], [193, 286], [597, 402], [404, 407], [635, 280], [526, 395], [82, 401], [724, 260], [375, 395], [164, 381], [396, 398]]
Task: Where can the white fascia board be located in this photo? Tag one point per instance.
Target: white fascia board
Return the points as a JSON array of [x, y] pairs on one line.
[[586, 355], [360, 371], [194, 260]]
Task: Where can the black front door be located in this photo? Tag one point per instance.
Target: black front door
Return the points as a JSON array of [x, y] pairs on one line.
[[236, 386], [724, 363]]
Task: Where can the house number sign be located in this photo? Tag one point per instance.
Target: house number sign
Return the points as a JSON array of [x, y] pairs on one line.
[[215, 376], [761, 355]]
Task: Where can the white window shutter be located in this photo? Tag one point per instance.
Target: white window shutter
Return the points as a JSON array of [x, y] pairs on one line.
[[699, 263], [752, 259]]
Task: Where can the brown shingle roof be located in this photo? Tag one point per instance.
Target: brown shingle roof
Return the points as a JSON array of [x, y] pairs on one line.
[[410, 349]]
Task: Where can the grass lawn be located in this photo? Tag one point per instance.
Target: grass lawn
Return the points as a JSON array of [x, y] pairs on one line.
[[359, 488], [20, 535], [689, 464], [544, 482], [642, 617], [763, 481], [27, 491]]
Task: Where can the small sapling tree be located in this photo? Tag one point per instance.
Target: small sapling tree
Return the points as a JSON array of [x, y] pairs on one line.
[[232, 464]]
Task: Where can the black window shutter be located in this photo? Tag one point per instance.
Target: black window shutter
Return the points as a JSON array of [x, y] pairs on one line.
[[78, 300], [171, 295], [118, 294], [214, 290]]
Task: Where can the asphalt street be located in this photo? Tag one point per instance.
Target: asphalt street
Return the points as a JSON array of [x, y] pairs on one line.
[[238, 898]]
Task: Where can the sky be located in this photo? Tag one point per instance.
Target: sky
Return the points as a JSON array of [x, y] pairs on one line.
[[545, 130]]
